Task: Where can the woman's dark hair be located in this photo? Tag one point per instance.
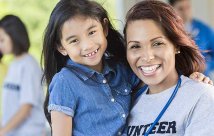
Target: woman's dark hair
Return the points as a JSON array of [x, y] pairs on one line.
[[63, 11], [17, 31], [190, 59]]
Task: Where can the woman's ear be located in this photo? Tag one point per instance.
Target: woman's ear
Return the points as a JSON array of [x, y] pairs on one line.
[[105, 26], [62, 51]]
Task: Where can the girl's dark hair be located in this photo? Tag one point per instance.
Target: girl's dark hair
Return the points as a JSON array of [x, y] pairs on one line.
[[63, 11], [17, 31], [190, 59]]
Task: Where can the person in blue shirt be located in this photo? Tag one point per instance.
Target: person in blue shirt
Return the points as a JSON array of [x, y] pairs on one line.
[[202, 34], [89, 81]]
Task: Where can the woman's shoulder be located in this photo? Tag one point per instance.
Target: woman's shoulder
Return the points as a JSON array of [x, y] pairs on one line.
[[196, 87]]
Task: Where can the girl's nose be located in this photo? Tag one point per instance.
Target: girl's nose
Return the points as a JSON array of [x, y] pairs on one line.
[[87, 44]]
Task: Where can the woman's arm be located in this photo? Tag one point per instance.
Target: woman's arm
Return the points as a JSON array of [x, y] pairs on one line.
[[61, 124]]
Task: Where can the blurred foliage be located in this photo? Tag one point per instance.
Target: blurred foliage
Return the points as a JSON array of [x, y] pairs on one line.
[[35, 15], [110, 6]]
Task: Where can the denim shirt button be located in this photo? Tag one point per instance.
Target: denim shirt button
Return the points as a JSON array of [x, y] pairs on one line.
[[123, 115], [119, 133], [112, 99], [104, 81], [126, 90]]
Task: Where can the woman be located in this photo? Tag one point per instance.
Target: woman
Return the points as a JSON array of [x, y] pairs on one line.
[[163, 55]]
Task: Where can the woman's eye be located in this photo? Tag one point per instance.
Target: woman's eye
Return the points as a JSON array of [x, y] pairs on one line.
[[156, 44], [92, 32]]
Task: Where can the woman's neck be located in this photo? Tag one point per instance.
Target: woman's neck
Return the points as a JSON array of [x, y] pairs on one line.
[[163, 85]]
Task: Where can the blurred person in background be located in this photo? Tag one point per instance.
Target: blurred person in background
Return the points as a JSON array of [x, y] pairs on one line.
[[22, 96], [202, 34], [3, 69]]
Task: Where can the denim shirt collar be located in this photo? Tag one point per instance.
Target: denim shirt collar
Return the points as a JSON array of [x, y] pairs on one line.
[[85, 72]]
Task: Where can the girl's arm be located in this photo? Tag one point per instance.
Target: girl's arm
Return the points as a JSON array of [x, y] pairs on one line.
[[201, 78], [61, 124], [17, 119]]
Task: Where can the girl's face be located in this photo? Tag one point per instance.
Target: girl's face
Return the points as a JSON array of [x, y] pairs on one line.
[[5, 42], [84, 41], [151, 55]]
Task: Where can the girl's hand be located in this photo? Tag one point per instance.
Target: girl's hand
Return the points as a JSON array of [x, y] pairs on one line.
[[201, 78]]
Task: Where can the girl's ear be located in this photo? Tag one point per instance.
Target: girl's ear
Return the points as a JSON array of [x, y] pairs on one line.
[[105, 26], [62, 51]]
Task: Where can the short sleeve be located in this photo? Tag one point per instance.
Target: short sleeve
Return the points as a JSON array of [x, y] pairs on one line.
[[31, 91], [201, 119], [61, 96]]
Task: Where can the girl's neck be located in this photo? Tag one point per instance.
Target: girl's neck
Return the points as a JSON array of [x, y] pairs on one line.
[[98, 67], [163, 85]]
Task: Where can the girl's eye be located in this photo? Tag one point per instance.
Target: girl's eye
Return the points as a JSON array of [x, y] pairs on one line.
[[92, 32], [156, 44], [73, 41], [134, 46]]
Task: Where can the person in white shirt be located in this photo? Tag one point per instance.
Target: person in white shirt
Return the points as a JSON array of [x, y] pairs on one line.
[[22, 96]]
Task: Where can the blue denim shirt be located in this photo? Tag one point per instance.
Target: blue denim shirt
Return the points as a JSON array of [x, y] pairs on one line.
[[98, 102]]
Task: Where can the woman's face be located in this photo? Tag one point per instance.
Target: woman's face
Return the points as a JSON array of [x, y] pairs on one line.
[[150, 54], [5, 42]]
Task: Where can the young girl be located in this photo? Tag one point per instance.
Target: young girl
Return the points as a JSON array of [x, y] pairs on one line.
[[22, 90], [84, 65], [162, 54]]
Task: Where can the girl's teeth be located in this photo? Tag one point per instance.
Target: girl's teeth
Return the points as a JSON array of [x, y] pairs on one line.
[[90, 54]]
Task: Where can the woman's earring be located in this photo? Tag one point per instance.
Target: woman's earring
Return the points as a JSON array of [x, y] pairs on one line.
[[178, 52]]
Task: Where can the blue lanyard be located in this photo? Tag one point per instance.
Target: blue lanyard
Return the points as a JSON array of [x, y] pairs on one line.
[[164, 108]]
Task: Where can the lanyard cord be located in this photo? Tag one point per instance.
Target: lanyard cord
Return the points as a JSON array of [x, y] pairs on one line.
[[165, 107]]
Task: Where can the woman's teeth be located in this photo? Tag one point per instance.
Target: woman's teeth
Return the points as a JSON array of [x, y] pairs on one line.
[[149, 69]]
